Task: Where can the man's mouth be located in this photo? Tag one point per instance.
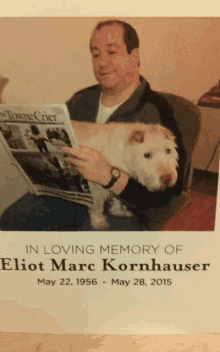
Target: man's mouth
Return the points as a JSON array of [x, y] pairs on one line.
[[104, 73]]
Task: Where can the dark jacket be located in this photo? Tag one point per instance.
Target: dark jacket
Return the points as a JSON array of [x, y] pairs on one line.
[[144, 106]]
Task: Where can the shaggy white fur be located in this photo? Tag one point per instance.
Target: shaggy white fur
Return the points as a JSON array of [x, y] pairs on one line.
[[147, 152]]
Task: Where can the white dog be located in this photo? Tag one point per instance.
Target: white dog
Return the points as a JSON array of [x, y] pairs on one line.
[[146, 152]]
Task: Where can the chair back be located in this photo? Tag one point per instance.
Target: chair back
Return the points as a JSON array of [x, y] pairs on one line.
[[188, 117]]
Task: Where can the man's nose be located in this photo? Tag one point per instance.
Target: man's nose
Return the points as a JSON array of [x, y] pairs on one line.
[[104, 60]]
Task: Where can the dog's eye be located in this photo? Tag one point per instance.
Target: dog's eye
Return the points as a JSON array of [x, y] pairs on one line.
[[168, 151], [148, 155]]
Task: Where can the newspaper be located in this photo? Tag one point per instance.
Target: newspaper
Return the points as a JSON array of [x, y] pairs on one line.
[[34, 137]]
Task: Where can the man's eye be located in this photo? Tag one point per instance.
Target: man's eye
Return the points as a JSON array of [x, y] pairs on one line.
[[148, 155], [95, 55]]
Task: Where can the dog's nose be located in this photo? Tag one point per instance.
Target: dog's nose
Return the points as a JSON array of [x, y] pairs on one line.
[[165, 179]]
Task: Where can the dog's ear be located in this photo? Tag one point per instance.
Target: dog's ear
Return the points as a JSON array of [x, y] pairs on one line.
[[136, 137], [168, 134]]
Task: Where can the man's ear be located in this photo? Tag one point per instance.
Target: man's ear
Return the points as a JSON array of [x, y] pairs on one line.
[[135, 55]]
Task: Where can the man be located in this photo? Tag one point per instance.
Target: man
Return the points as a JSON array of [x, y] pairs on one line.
[[123, 96]]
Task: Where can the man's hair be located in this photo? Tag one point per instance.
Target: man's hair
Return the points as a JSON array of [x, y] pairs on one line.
[[131, 39]]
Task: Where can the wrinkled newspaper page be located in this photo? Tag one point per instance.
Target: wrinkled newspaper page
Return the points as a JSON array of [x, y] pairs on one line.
[[34, 136]]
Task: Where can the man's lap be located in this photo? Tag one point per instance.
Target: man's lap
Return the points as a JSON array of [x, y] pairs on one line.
[[41, 213], [45, 213]]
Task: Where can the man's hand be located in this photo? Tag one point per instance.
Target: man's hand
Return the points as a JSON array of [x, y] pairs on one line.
[[3, 82], [90, 163]]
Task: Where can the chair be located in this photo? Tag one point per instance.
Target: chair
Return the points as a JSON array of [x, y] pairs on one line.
[[189, 120]]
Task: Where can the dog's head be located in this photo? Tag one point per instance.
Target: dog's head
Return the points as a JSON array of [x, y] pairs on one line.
[[151, 153]]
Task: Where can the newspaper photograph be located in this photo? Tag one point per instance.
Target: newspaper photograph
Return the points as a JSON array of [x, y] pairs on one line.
[[34, 137]]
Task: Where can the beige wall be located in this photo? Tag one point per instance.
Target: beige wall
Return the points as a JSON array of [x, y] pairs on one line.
[[48, 59]]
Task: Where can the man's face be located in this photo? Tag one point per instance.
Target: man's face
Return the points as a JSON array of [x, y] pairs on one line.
[[113, 67]]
